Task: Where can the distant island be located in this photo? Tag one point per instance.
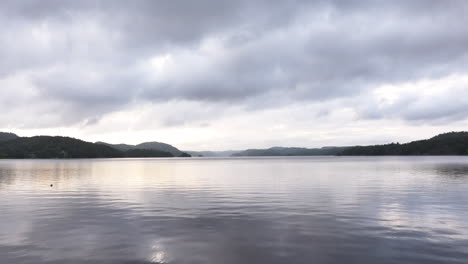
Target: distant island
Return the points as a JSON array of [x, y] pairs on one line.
[[15, 147], [47, 147]]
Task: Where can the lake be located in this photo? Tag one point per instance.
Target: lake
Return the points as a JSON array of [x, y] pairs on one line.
[[235, 210]]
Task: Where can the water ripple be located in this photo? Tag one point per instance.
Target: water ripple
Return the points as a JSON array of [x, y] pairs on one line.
[[281, 210]]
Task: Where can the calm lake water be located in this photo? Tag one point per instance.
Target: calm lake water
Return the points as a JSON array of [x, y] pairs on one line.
[[246, 210]]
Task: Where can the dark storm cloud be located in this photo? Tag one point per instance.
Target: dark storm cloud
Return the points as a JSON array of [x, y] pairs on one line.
[[89, 58]]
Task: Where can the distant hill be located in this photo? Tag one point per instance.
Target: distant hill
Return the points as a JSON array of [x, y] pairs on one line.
[[156, 146], [121, 147], [7, 136], [45, 147], [12, 146], [281, 151], [453, 143], [160, 146], [54, 147], [146, 153]]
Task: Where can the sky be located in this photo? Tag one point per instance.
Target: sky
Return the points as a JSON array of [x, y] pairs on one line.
[[223, 74]]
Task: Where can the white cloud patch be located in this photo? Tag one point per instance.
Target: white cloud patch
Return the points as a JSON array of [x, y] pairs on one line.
[[427, 100]]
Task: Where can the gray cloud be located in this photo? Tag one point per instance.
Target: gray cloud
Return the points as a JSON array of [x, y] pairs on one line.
[[84, 59]]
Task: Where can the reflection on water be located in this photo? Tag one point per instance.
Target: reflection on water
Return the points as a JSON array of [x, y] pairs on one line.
[[452, 170], [258, 210]]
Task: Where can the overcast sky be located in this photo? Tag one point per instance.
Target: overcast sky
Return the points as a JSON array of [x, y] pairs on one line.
[[223, 74]]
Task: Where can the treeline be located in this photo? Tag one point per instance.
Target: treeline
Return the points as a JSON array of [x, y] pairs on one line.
[[45, 147], [281, 151], [146, 147], [7, 136], [14, 147], [453, 143]]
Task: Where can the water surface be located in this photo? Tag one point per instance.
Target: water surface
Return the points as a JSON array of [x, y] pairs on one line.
[[240, 210]]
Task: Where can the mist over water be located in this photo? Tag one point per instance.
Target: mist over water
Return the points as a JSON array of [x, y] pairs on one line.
[[238, 210]]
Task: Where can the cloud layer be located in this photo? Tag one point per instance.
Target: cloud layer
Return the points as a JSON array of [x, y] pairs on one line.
[[82, 63]]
